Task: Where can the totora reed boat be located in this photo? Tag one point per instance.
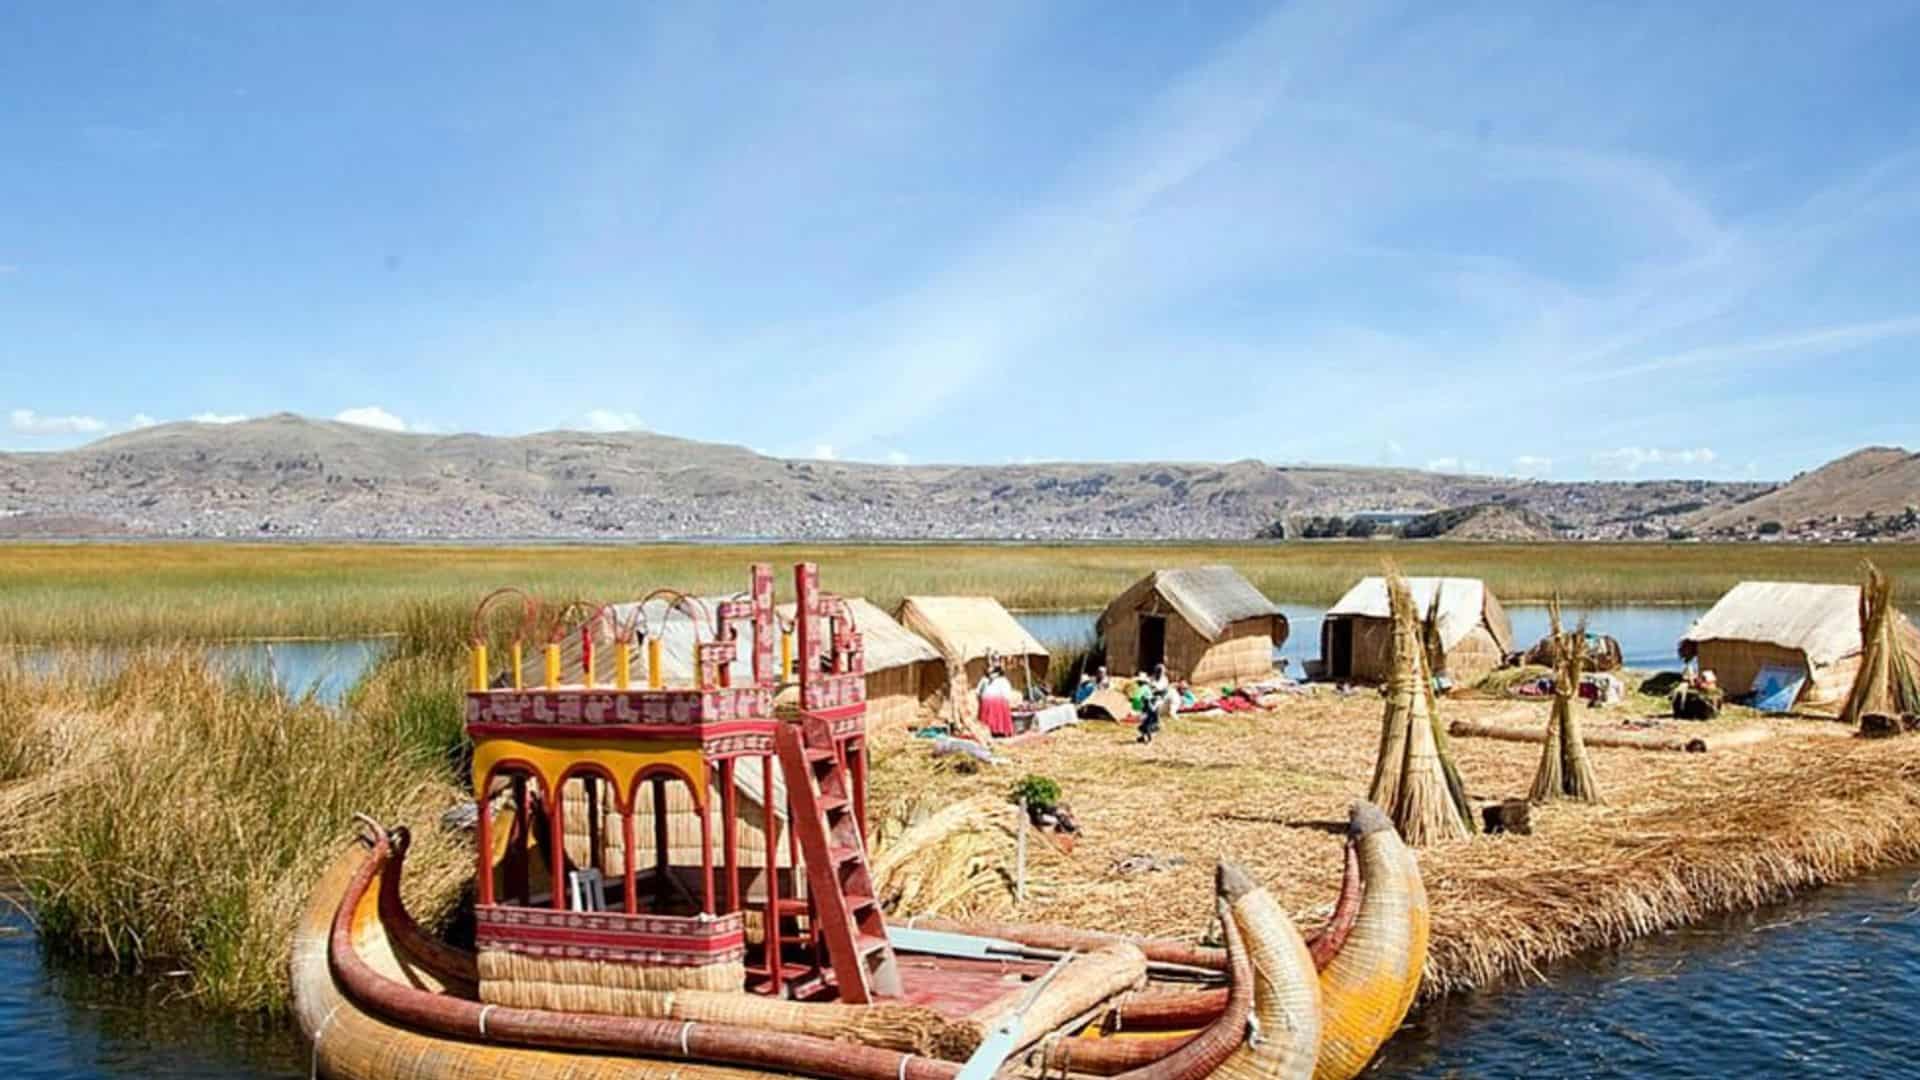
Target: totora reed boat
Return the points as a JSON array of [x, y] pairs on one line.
[[672, 881]]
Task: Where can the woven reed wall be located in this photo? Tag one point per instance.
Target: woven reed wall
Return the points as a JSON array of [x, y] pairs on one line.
[[1243, 654], [594, 986], [1737, 663], [1469, 661]]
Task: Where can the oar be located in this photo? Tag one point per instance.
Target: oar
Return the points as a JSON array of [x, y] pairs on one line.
[[993, 1050]]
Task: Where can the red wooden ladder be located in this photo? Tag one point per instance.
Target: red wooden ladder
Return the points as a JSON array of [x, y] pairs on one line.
[[839, 883]]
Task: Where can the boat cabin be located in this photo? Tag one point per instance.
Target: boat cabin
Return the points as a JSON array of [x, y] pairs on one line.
[[644, 833]]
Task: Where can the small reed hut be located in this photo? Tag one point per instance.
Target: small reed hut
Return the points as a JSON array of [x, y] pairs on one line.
[[906, 677], [1206, 623], [966, 630], [1808, 630], [1356, 638]]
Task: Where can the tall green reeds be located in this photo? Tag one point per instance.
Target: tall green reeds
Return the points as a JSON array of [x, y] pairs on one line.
[[166, 815], [144, 592]]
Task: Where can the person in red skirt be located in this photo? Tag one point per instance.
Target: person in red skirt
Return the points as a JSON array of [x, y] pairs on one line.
[[996, 702]]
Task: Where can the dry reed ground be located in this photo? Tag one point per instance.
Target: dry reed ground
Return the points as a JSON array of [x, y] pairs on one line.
[[1682, 835]]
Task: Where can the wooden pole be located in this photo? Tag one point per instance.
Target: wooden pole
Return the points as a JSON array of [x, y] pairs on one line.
[[1020, 853]]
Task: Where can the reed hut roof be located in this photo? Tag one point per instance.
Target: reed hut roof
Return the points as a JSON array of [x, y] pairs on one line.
[[1209, 598], [966, 628], [1465, 603], [887, 643], [675, 629], [1822, 621]]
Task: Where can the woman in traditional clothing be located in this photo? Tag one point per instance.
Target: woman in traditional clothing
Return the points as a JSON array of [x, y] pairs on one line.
[[996, 702], [1159, 703]]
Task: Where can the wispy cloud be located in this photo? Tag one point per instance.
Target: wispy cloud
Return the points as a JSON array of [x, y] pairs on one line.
[[824, 452], [371, 416], [217, 418], [608, 420], [1532, 465], [28, 422], [898, 457]]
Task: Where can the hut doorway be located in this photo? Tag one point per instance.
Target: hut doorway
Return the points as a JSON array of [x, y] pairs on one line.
[[1152, 642], [1339, 648]]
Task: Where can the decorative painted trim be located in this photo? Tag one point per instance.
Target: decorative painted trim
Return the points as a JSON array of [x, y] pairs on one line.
[[662, 708], [594, 935]]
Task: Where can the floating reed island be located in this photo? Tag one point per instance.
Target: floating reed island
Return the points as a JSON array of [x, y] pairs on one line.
[[1680, 837]]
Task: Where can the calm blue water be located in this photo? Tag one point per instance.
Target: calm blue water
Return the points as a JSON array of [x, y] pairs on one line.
[[1647, 635], [1827, 985], [325, 669]]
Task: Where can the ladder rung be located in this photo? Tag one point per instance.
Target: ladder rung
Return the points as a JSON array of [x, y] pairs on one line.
[[843, 855], [868, 944], [819, 756], [830, 803], [860, 901]]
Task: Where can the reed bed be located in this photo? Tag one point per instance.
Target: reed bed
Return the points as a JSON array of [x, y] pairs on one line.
[[212, 591], [172, 820], [1682, 837]]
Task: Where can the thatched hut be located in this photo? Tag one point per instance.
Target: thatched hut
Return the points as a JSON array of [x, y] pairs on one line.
[[1206, 623], [906, 676], [1356, 638], [966, 630], [1809, 631]]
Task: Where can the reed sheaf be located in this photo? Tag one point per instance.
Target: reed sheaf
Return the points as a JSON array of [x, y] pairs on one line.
[[171, 819], [211, 591]]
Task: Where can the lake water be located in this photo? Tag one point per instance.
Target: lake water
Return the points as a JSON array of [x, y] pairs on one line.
[[1648, 635], [1825, 985], [325, 669]]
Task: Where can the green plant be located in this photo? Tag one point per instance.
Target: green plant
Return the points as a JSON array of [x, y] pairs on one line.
[[1038, 792]]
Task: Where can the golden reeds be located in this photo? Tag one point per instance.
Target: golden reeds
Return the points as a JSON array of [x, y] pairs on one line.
[[1412, 778], [1885, 688], [165, 813], [1566, 772]]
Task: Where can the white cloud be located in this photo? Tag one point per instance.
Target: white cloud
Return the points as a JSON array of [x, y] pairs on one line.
[[217, 418], [614, 420], [141, 420], [823, 452], [1444, 464], [1532, 465], [897, 457], [372, 416], [28, 422], [1631, 459]]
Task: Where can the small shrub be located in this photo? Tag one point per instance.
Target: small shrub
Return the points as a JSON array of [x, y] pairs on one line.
[[1040, 792]]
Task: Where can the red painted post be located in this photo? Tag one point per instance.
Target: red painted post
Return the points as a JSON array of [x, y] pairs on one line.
[[632, 900], [772, 831], [557, 836], [485, 839], [730, 837], [705, 806]]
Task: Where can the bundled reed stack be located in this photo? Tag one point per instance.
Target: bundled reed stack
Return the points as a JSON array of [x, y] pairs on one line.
[[1565, 770], [1413, 777], [1885, 695]]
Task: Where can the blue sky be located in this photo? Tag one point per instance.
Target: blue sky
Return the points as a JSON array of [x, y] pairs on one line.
[[1562, 240]]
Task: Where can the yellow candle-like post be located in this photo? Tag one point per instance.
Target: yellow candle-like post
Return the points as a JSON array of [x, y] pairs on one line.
[[479, 653], [786, 656], [553, 666], [654, 681], [622, 666], [516, 667]]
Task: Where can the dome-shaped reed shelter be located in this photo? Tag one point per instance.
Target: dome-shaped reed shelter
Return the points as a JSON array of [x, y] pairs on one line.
[[1208, 624], [1766, 635], [1356, 638]]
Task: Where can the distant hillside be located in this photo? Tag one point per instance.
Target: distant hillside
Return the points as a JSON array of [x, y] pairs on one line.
[[1487, 521], [1874, 489], [286, 476]]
